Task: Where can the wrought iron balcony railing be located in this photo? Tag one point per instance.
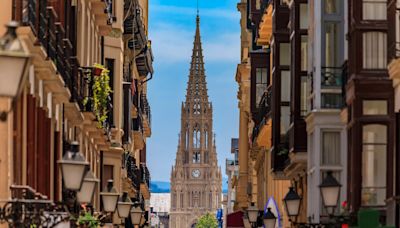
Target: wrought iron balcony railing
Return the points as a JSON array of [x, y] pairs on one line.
[[145, 175], [331, 77], [264, 112], [145, 108], [51, 35], [133, 171]]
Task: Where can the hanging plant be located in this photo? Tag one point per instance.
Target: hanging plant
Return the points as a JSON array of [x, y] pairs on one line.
[[101, 90], [88, 220]]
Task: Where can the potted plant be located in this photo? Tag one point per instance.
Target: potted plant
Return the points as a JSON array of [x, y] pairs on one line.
[[87, 220], [100, 91]]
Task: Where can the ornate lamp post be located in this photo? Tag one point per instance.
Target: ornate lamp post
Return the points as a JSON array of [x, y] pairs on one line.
[[252, 212], [110, 198], [73, 168], [292, 203], [330, 191], [14, 62], [124, 206], [136, 215], [85, 194], [269, 219]]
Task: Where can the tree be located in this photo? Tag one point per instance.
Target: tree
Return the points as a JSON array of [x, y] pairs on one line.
[[207, 221]]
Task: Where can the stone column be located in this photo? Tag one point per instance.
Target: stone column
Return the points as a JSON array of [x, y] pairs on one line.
[[243, 160]]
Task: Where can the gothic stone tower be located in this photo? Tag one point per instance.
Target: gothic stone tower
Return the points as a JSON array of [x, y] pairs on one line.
[[196, 177]]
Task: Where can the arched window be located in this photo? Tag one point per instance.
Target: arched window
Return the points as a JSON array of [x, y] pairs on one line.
[[206, 137], [196, 157], [196, 137]]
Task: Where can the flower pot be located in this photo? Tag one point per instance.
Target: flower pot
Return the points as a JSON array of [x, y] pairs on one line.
[[97, 71]]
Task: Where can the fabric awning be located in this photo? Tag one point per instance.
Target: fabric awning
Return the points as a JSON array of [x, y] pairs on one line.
[[235, 219]]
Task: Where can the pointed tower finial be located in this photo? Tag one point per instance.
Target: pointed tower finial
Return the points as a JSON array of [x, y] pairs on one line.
[[197, 8]]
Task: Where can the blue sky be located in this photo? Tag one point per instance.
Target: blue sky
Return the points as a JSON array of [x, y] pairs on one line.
[[172, 29]]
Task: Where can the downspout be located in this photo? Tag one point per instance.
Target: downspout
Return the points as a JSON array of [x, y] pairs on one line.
[[102, 50]]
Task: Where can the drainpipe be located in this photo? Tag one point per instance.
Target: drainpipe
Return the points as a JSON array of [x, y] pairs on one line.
[[102, 49]]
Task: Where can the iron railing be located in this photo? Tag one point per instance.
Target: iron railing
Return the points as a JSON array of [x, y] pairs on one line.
[[133, 171], [46, 25], [331, 77], [264, 112], [145, 175]]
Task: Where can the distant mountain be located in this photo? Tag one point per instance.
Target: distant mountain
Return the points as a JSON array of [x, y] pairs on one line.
[[160, 186], [164, 186]]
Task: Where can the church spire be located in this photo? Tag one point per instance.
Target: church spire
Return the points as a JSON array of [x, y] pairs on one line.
[[197, 86]]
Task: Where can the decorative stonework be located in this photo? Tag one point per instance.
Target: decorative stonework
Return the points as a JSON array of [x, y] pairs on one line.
[[195, 177]]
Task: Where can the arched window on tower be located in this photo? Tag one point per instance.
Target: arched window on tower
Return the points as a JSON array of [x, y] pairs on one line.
[[206, 137], [187, 137], [196, 138], [196, 157]]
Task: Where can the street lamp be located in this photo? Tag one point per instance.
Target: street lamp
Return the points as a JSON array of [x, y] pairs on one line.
[[292, 203], [85, 194], [252, 212], [136, 215], [14, 63], [110, 197], [330, 191], [73, 168], [124, 206], [269, 219]]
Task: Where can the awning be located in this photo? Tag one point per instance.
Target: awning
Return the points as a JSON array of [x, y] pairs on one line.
[[235, 219]]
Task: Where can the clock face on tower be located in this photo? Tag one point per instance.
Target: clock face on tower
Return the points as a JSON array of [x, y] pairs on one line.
[[196, 173]]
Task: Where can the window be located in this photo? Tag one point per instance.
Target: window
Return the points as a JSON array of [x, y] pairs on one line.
[[303, 95], [331, 44], [374, 163], [261, 83], [285, 86], [374, 50], [285, 119], [206, 137], [330, 148], [196, 138], [108, 174], [374, 9], [196, 157], [303, 16], [284, 54], [331, 100], [375, 107], [304, 52], [331, 6], [187, 137]]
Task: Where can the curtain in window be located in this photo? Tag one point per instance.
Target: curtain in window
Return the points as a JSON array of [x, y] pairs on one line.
[[374, 9], [374, 165], [374, 47], [330, 148]]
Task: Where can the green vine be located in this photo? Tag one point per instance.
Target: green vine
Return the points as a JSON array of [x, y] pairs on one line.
[[88, 220], [101, 90]]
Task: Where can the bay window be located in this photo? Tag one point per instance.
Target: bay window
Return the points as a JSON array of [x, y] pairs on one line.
[[261, 83], [374, 9], [284, 54], [303, 16], [374, 162], [375, 107], [331, 6], [304, 52], [374, 50], [331, 44]]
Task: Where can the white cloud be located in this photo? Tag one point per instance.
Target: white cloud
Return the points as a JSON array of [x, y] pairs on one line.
[[220, 13], [172, 43]]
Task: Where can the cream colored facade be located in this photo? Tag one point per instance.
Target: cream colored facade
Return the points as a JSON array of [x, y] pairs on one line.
[[49, 93]]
